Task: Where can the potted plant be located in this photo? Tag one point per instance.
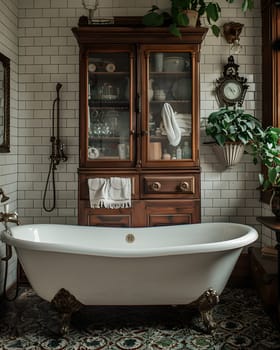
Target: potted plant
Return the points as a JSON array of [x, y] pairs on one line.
[[178, 15], [232, 129], [265, 149]]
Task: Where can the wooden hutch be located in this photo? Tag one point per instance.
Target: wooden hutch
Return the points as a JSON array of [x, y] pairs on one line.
[[127, 74]]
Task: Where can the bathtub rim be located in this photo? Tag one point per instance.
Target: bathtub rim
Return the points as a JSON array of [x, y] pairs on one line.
[[246, 239]]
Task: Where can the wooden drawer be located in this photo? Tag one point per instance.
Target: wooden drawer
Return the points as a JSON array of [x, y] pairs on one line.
[[183, 186]]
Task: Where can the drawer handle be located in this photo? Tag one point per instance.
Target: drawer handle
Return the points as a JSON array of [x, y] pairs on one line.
[[184, 186], [156, 186]]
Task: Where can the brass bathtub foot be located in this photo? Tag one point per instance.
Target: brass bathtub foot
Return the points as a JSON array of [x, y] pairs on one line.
[[65, 304], [205, 304]]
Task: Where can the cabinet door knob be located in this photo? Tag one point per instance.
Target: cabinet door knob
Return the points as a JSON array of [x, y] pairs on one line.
[[184, 186], [156, 186]]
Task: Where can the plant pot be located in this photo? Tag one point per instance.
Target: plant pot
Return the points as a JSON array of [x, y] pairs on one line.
[[230, 153], [275, 202], [192, 16]]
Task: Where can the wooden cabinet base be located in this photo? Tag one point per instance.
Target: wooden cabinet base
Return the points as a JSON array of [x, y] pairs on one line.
[[142, 213]]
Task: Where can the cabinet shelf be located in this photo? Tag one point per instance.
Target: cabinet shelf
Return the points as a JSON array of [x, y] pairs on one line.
[[171, 101], [112, 139], [172, 74], [108, 73], [109, 104]]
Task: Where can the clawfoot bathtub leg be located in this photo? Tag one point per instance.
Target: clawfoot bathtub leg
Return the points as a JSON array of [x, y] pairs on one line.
[[206, 302], [66, 304]]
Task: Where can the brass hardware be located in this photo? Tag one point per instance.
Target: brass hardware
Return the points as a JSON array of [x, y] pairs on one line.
[[65, 304], [184, 186], [156, 186], [205, 304], [9, 217], [130, 238], [232, 31]]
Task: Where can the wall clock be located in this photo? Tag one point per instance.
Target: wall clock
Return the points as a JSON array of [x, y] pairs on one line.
[[231, 88]]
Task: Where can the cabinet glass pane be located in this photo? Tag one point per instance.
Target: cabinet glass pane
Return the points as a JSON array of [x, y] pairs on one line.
[[170, 106], [108, 106]]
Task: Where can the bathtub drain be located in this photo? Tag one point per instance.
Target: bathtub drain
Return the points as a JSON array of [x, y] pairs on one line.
[[130, 238]]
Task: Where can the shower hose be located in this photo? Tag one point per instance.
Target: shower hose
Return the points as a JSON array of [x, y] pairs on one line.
[[52, 168], [50, 173]]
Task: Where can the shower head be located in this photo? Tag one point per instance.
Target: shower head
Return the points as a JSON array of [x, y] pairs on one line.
[[58, 86], [4, 197]]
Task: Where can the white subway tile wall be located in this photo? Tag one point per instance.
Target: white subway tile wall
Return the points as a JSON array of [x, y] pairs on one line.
[[48, 53]]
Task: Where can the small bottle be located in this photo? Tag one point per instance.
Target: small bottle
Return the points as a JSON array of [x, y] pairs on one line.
[[152, 125], [187, 152], [166, 155], [174, 155], [179, 153], [158, 132]]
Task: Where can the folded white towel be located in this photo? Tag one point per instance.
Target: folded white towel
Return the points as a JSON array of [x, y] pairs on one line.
[[172, 129], [114, 192]]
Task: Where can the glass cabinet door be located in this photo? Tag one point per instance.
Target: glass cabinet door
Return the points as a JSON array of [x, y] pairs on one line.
[[109, 107], [169, 101]]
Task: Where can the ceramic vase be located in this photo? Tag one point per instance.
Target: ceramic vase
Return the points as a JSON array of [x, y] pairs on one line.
[[230, 153]]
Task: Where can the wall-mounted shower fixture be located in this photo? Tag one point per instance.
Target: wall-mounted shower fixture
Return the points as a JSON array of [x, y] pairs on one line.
[[57, 154]]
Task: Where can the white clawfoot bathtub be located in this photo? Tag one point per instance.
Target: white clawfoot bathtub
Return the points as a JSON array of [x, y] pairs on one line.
[[129, 266]]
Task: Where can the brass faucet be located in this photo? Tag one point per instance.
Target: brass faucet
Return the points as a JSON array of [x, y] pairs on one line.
[[9, 217], [5, 216]]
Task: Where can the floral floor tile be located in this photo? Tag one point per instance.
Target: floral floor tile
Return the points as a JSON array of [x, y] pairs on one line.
[[31, 323]]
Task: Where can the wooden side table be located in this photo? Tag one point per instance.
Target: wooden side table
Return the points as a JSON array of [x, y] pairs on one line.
[[273, 223]]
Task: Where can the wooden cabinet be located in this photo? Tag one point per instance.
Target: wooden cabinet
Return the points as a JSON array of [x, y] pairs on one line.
[[139, 118]]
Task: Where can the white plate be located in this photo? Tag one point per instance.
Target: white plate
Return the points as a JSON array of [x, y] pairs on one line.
[[109, 97]]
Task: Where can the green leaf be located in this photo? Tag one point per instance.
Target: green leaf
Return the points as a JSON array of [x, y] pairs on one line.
[[247, 5], [174, 30], [272, 174], [153, 19], [212, 11], [182, 19], [215, 30], [220, 139]]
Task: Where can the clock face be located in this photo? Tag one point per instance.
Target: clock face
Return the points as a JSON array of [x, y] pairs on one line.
[[232, 90]]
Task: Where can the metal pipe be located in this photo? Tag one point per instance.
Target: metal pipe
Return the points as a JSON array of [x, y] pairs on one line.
[[58, 87]]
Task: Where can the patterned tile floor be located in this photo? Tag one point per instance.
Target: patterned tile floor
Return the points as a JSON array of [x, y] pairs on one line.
[[30, 323]]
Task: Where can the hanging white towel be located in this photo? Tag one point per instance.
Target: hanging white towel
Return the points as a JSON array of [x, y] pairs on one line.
[[172, 129], [113, 192]]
